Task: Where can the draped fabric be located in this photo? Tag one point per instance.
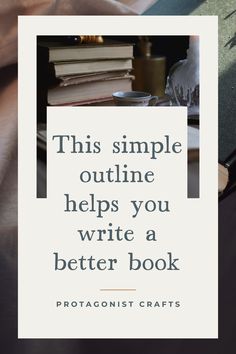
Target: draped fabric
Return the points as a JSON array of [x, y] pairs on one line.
[[9, 10]]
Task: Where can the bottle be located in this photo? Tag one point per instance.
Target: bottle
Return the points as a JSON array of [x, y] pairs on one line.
[[149, 70], [183, 81]]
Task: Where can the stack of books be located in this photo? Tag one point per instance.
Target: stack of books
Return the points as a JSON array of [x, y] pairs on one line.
[[84, 74]]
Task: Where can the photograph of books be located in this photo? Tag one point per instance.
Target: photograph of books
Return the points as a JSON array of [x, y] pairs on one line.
[[88, 70]]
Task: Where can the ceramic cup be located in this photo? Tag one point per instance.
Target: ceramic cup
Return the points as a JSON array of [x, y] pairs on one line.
[[134, 98]]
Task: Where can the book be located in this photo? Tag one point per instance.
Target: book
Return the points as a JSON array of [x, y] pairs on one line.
[[105, 101], [108, 50], [87, 67], [223, 178], [102, 89], [92, 77], [227, 174]]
